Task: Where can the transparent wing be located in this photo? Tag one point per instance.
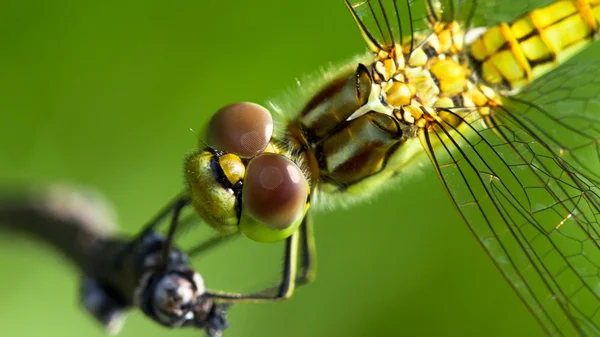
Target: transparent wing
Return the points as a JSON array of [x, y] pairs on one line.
[[563, 110], [536, 214], [490, 12], [485, 13], [389, 22], [385, 23]]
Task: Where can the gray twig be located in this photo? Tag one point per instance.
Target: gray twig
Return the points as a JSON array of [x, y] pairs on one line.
[[117, 274]]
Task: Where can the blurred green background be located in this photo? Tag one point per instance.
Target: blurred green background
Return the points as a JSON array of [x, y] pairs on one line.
[[103, 94]]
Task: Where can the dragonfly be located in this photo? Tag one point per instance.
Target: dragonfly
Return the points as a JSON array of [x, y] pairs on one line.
[[499, 109]]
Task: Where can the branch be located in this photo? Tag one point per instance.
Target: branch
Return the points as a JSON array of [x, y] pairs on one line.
[[118, 274]]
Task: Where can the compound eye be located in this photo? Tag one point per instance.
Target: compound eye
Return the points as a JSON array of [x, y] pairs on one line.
[[275, 191], [244, 129]]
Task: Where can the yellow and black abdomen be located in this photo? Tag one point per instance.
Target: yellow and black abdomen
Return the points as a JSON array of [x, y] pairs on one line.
[[510, 55]]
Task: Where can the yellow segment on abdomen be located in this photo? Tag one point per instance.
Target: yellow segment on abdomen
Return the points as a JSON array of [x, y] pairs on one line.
[[510, 55]]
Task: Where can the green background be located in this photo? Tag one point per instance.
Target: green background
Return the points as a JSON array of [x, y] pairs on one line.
[[103, 94]]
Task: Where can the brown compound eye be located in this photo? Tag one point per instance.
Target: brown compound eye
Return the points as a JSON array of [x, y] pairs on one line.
[[244, 129], [275, 191]]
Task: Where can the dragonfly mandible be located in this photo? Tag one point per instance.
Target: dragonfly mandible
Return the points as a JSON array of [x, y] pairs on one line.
[[509, 124]]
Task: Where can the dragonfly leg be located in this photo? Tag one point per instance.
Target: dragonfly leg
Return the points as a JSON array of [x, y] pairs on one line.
[[210, 244], [308, 269], [178, 206], [284, 290], [151, 226], [163, 213], [290, 281]]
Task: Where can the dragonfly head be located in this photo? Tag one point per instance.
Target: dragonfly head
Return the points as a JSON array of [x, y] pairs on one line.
[[240, 183]]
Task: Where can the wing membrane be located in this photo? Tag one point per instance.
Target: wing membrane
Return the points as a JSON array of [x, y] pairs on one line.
[[486, 13], [534, 208], [491, 12], [563, 110], [390, 22]]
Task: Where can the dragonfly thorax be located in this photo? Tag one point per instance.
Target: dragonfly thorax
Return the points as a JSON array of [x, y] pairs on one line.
[[360, 129]]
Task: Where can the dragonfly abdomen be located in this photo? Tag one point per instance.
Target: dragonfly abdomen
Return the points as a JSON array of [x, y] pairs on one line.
[[511, 55]]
